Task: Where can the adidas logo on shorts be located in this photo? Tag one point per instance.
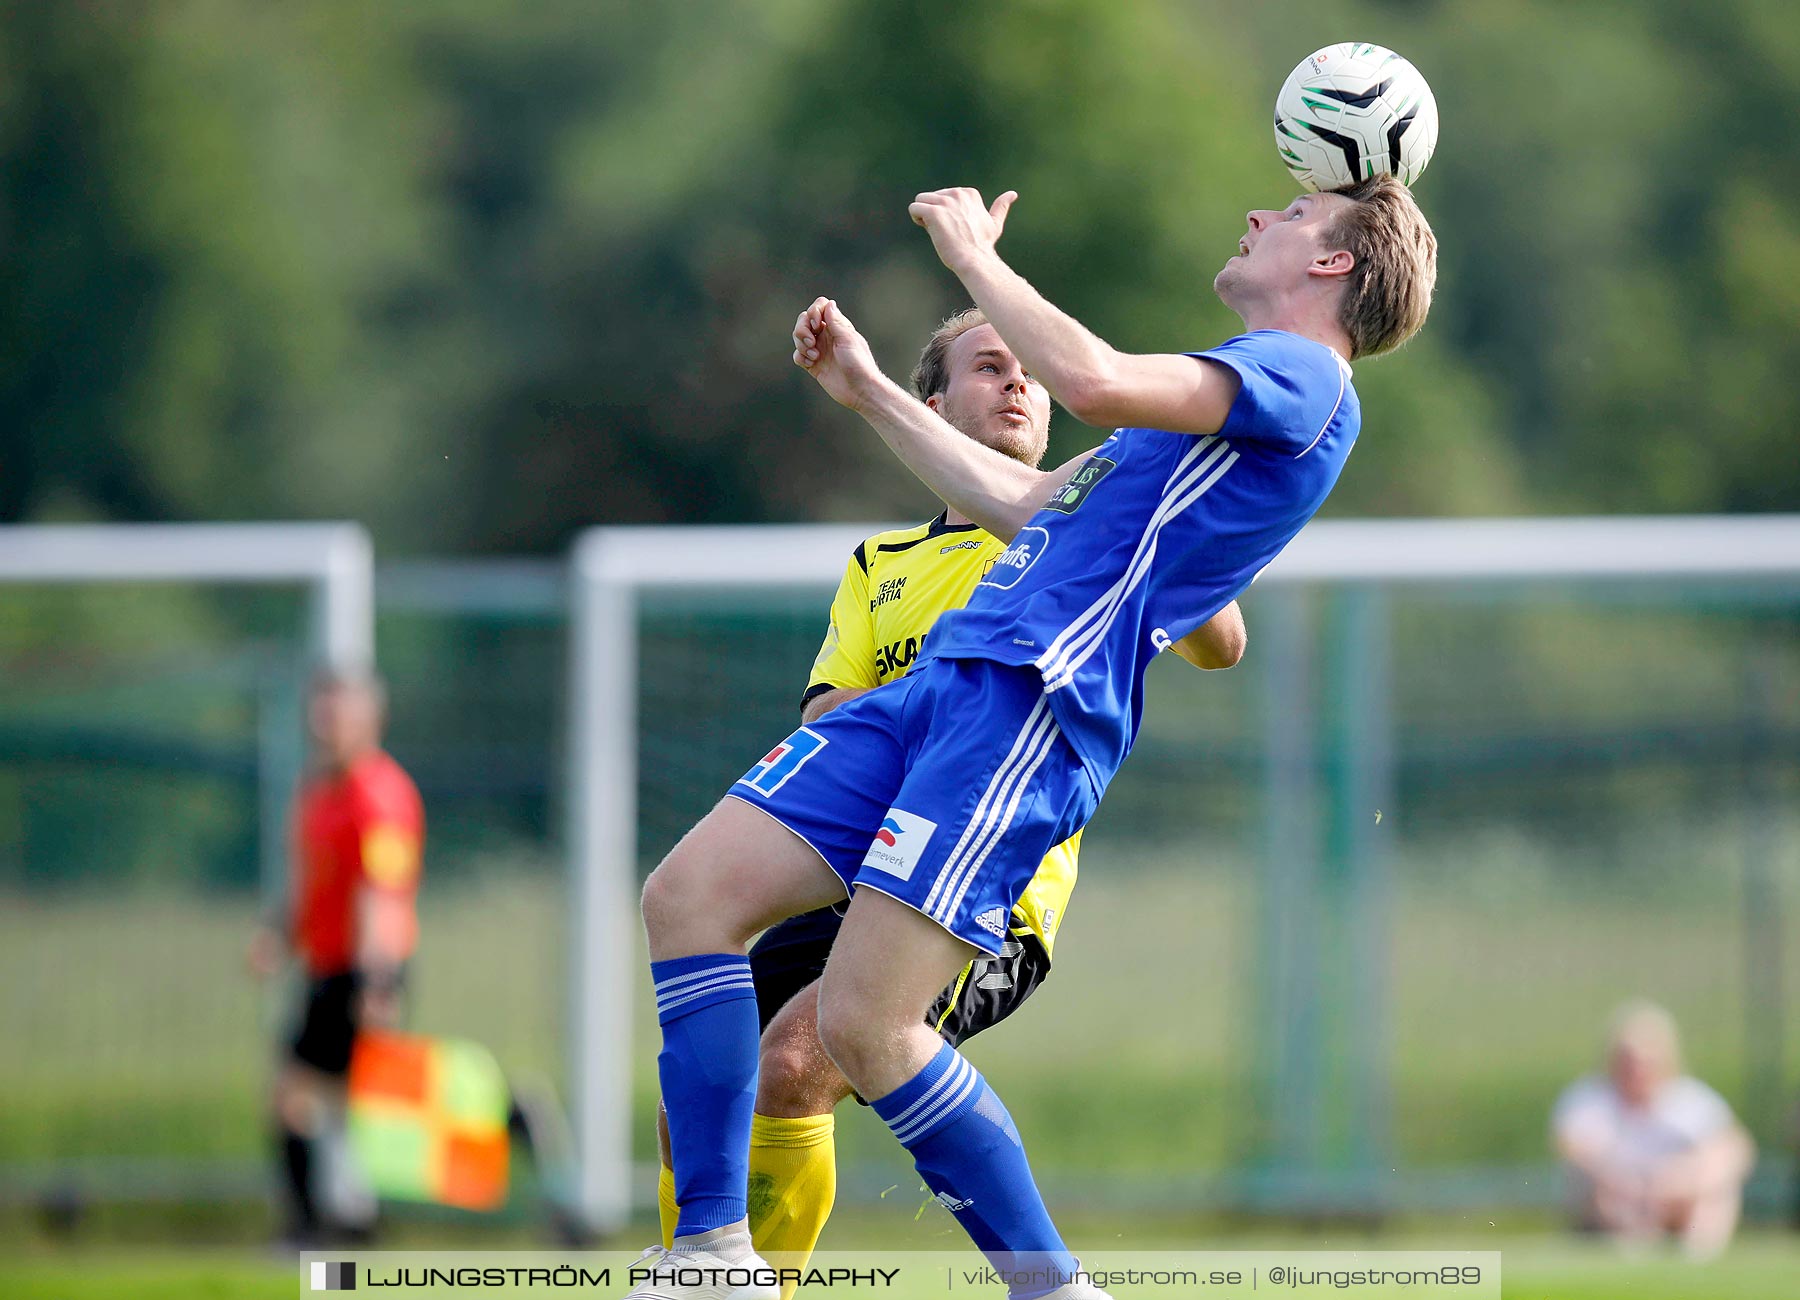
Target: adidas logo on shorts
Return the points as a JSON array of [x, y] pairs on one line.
[[993, 921]]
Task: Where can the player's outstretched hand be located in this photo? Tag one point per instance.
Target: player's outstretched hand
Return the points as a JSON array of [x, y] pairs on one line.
[[827, 347], [962, 227]]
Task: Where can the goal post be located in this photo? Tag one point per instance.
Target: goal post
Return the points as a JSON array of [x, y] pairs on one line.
[[157, 757], [332, 562], [1329, 662], [611, 567]]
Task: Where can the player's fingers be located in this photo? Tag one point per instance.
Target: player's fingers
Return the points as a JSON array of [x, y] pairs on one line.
[[1002, 206]]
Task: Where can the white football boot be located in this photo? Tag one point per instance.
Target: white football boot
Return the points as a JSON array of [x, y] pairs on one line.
[[716, 1265]]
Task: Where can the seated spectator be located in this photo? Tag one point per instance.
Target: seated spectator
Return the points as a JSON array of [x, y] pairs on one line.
[[1652, 1151]]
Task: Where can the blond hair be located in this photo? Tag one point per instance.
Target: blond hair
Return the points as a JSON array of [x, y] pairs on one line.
[[1645, 1028], [1388, 290], [932, 374]]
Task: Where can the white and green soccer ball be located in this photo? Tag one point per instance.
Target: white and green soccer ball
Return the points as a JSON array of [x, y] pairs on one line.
[[1352, 111]]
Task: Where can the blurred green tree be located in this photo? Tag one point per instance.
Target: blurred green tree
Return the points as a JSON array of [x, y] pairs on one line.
[[480, 274]]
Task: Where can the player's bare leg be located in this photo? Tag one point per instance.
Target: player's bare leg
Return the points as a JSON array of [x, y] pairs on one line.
[[737, 872], [887, 967], [797, 1077]]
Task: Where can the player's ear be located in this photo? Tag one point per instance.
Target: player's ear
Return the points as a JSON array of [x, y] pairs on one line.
[[934, 401], [1335, 263]]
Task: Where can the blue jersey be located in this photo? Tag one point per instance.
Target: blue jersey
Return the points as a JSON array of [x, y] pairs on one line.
[[1155, 534]]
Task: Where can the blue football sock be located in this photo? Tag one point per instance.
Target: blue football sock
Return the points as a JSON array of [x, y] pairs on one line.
[[707, 1007], [967, 1149]]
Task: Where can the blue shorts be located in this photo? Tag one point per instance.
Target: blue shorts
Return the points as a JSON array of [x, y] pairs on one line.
[[944, 790]]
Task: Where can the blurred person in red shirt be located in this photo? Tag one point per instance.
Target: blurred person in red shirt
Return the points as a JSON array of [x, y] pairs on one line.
[[352, 925]]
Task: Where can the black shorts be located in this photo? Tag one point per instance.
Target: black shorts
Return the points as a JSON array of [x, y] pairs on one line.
[[792, 955], [329, 1018], [327, 1023]]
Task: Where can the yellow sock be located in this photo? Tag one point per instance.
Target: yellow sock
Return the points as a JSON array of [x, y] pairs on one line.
[[793, 1183], [665, 1204]]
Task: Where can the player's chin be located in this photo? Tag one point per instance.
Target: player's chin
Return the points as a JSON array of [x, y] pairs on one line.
[[1024, 445], [1002, 436], [1227, 281]]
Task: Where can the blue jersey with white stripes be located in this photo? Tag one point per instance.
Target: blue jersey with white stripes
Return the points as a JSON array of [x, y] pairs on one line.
[[1155, 534]]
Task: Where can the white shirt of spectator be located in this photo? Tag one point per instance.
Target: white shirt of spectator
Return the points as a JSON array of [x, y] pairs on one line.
[[1683, 1113]]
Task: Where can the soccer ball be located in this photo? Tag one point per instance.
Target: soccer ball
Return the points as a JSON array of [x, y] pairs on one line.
[[1352, 111]]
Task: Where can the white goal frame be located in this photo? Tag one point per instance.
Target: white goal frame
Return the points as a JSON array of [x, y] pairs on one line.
[[611, 566], [333, 562]]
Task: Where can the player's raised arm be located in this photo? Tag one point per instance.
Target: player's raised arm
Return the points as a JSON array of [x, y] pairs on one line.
[[1095, 382], [994, 490]]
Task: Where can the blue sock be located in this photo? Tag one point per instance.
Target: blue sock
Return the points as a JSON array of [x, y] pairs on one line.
[[707, 1008], [967, 1149]]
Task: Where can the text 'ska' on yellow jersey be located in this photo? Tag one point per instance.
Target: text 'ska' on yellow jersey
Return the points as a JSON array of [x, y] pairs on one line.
[[894, 587]]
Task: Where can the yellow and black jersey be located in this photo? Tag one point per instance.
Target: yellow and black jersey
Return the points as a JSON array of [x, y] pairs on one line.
[[894, 587]]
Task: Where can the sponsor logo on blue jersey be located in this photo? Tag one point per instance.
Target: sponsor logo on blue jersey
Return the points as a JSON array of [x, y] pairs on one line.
[[783, 761], [1012, 563], [899, 842], [1081, 484]]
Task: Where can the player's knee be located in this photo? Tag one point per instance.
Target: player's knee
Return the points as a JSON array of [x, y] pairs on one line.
[[851, 1034], [658, 901], [692, 897], [300, 1106], [794, 1075], [677, 894]]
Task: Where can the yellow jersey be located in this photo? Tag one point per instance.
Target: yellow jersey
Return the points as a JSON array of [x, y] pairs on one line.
[[894, 587]]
